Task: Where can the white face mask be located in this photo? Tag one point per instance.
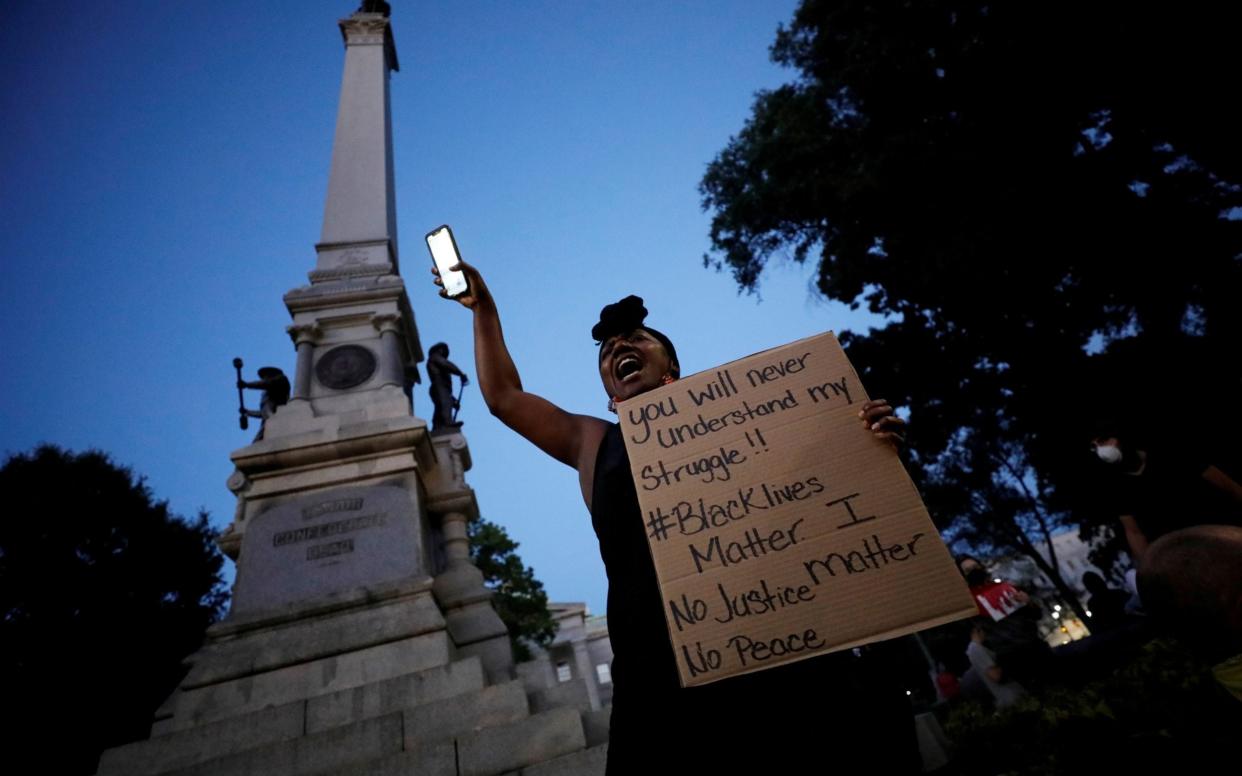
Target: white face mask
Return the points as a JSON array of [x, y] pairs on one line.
[[1108, 453]]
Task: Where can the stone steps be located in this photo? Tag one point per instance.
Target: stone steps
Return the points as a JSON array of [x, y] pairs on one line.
[[490, 751], [185, 748], [538, 738], [500, 704], [441, 720], [595, 724], [241, 646], [324, 676], [572, 693], [439, 759], [422, 730], [404, 692], [589, 762], [336, 748]]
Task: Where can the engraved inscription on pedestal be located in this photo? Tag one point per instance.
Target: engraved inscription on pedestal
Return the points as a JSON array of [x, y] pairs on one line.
[[345, 367], [326, 544]]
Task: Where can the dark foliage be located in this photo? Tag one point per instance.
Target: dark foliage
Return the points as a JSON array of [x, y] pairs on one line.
[[1044, 198], [1153, 710], [103, 593]]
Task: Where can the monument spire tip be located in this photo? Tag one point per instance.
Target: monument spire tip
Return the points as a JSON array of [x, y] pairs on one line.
[[375, 6]]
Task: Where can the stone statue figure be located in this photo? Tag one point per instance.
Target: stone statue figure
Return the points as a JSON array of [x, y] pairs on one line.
[[275, 387], [440, 371]]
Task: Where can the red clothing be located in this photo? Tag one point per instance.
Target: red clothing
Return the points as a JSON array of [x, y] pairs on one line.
[[948, 686], [996, 600]]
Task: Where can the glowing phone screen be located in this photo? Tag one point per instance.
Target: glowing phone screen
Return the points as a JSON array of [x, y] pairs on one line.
[[444, 254]]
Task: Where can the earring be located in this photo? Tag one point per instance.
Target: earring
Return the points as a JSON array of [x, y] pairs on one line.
[[667, 379], [612, 405]]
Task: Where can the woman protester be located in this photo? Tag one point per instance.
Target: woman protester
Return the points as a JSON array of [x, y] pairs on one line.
[[840, 710]]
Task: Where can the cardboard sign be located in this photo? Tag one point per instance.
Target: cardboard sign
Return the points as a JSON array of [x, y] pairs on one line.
[[781, 528]]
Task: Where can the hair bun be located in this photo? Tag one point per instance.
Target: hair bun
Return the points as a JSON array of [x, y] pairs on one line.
[[619, 318]]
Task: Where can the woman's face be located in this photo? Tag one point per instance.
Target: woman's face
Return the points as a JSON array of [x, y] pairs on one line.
[[633, 363]]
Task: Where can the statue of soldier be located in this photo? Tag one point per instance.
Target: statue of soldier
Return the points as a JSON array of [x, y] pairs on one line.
[[275, 387], [440, 371]]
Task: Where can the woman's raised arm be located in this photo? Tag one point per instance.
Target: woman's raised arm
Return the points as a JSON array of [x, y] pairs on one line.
[[569, 438]]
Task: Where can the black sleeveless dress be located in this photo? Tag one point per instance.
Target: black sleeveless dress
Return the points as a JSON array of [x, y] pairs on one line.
[[831, 712]]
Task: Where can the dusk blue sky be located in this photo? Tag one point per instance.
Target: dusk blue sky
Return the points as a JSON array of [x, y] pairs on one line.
[[162, 182]]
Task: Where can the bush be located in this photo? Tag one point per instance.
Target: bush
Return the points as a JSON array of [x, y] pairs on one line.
[[1160, 708]]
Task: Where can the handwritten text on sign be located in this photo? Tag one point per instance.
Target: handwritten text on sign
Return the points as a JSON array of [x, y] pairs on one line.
[[780, 527]]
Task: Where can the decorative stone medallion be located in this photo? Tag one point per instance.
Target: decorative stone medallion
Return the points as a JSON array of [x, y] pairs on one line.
[[345, 366]]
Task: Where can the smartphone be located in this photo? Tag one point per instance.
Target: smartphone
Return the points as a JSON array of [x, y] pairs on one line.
[[445, 254]]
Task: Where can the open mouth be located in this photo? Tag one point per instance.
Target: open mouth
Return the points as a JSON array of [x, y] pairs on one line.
[[627, 366]]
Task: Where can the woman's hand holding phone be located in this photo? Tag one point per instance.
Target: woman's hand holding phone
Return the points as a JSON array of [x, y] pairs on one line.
[[477, 288], [445, 257]]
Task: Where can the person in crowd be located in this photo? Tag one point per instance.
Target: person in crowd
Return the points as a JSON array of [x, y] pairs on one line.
[[1005, 691], [1106, 605], [1010, 620], [1154, 487], [948, 687]]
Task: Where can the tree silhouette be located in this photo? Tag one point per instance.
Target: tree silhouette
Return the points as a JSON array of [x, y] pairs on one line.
[[103, 592], [1033, 194]]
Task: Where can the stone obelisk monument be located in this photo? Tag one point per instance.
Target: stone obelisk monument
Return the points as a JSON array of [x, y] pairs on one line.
[[361, 638]]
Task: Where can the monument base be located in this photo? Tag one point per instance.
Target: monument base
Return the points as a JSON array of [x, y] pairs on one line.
[[369, 682]]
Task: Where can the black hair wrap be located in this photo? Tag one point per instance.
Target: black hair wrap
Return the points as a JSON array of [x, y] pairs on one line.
[[624, 317], [619, 318]]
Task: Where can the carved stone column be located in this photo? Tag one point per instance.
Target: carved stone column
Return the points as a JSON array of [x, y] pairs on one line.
[[304, 338], [392, 365], [457, 544]]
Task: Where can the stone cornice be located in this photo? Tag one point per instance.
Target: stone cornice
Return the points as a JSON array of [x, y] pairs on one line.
[[354, 271], [314, 450], [375, 289], [370, 29]]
